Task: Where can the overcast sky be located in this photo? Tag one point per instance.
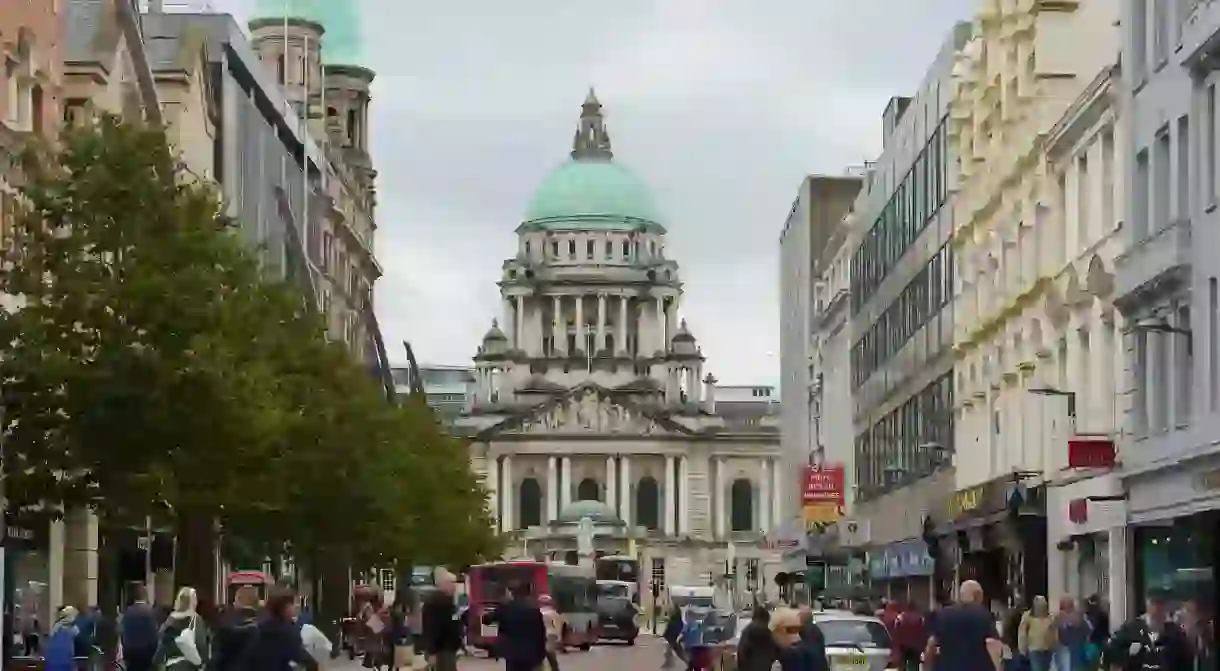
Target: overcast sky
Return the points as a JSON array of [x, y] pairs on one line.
[[720, 105]]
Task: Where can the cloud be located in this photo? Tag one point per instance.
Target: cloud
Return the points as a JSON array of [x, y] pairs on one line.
[[721, 106]]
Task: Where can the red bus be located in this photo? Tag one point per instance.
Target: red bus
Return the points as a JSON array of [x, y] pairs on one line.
[[572, 588], [259, 580]]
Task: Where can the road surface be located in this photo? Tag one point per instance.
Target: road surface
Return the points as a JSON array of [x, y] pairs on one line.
[[645, 655]]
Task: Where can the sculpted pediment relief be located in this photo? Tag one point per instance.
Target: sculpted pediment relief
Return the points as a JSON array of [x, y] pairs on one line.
[[592, 411]]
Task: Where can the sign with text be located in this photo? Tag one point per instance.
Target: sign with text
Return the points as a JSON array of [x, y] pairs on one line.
[[1091, 453], [822, 513], [824, 485], [966, 501]]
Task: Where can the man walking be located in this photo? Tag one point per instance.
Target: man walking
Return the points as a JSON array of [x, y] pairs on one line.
[[521, 638], [441, 638], [964, 636], [138, 632]]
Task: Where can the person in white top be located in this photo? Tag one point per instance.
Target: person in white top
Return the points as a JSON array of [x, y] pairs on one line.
[[554, 630]]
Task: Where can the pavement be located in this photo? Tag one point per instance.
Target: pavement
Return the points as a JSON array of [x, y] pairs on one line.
[[645, 655]]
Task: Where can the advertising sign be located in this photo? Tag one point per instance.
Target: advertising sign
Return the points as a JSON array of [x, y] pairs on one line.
[[822, 513], [824, 484]]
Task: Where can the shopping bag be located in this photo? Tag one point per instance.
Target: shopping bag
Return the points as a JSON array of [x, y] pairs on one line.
[[187, 645]]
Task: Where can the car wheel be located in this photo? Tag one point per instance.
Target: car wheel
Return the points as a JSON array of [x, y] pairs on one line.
[[631, 641], [584, 647]]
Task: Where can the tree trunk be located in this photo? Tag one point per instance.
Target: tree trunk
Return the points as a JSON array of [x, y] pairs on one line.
[[333, 598], [195, 558]]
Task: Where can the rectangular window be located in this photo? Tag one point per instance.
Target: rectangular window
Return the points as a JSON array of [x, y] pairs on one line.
[[589, 250], [1083, 193], [1162, 191], [1139, 38], [609, 250], [1140, 205], [1184, 353], [1209, 144], [572, 248], [527, 248], [626, 250], [555, 248], [1107, 180], [1184, 176], [1162, 26], [1213, 345]]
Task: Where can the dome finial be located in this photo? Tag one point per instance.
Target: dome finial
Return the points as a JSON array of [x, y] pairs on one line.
[[592, 140]]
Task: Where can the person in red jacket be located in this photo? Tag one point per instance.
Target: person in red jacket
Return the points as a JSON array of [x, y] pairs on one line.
[[910, 634]]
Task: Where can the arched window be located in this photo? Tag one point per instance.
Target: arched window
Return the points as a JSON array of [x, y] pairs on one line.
[[588, 490], [530, 514], [742, 500], [648, 503]]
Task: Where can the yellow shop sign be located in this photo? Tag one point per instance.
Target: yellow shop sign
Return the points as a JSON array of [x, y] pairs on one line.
[[966, 501]]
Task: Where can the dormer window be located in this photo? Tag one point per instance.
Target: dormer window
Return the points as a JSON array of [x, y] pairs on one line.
[[527, 247]]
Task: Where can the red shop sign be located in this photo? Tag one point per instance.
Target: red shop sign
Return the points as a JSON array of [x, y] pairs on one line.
[[1078, 511], [1091, 453], [823, 484]]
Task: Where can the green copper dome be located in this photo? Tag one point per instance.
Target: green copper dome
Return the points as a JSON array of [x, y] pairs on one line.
[[591, 191], [584, 194], [341, 45]]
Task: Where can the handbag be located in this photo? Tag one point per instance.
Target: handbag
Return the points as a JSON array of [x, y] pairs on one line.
[[187, 645], [404, 656]]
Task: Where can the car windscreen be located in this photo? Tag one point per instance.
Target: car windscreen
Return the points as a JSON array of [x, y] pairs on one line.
[[614, 605], [696, 601], [604, 589], [854, 634]]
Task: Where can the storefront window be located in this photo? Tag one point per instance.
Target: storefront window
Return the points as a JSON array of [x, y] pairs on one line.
[[31, 598], [1177, 561]]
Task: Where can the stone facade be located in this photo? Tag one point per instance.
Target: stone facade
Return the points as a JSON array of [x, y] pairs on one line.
[[592, 391]]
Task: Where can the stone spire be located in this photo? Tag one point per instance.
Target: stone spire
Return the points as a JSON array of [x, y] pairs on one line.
[[592, 140]]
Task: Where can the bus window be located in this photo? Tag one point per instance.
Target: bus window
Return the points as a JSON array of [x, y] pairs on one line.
[[494, 581]]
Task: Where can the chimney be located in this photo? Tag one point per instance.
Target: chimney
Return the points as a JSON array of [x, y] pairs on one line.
[[709, 394]]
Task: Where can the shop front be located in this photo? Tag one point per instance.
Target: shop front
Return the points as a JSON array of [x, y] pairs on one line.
[[1086, 539], [1175, 521], [995, 534], [27, 583], [903, 571]]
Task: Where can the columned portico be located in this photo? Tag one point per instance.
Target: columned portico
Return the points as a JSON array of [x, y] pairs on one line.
[[625, 489], [601, 323], [611, 483], [559, 327], [683, 495], [565, 483], [620, 341], [721, 499]]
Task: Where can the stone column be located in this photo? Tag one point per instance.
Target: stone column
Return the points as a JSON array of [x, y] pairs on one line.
[[80, 557], [565, 482], [552, 489], [492, 482], [506, 493], [557, 325], [624, 490], [601, 323], [720, 498], [611, 483], [670, 497], [764, 498], [580, 322], [683, 495], [777, 494], [519, 326], [620, 340], [662, 337], [1117, 557], [510, 331]]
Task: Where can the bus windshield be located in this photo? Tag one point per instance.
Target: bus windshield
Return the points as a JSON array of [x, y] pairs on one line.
[[690, 600], [612, 589], [492, 582]]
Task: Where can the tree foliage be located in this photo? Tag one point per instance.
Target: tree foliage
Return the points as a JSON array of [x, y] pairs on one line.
[[148, 361]]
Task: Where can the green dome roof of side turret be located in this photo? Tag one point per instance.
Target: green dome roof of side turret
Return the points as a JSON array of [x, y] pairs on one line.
[[341, 45]]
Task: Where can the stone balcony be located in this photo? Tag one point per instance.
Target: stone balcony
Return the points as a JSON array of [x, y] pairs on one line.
[[1154, 261]]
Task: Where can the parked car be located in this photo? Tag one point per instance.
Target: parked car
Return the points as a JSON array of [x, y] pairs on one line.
[[618, 618], [859, 642]]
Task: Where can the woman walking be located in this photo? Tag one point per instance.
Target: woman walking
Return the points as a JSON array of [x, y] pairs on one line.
[[183, 641], [1036, 636], [1072, 633]]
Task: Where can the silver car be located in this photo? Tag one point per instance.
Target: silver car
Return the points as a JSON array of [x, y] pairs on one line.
[[854, 642]]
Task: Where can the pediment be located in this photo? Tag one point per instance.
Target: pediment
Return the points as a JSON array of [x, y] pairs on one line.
[[590, 410]]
